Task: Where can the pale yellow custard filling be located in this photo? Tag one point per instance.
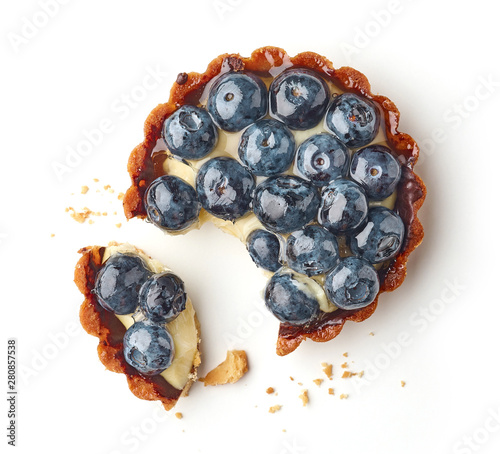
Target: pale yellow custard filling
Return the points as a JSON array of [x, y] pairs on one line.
[[183, 329]]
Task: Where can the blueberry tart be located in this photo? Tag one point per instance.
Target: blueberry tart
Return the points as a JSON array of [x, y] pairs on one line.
[[304, 164], [145, 322]]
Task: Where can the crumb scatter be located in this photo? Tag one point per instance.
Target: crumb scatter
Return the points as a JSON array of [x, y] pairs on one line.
[[275, 408]]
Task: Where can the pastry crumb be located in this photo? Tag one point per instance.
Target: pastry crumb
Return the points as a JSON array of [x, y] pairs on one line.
[[52, 235], [270, 390], [229, 371], [344, 396], [318, 381], [346, 354], [121, 195], [347, 374], [179, 415], [344, 366], [328, 370], [361, 373], [304, 396], [119, 225], [85, 189], [291, 378], [331, 391], [403, 384], [371, 334], [96, 180], [275, 408], [81, 216]]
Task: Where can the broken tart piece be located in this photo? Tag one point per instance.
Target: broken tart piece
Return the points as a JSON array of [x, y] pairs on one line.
[[304, 164], [145, 322]]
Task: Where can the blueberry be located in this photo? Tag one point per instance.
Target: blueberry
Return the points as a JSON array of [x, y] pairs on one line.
[[285, 203], [376, 170], [312, 250], [171, 203], [344, 206], [292, 298], [225, 188], [264, 248], [149, 348], [299, 98], [352, 284], [118, 283], [381, 238], [353, 119], [322, 158], [162, 297], [236, 100], [267, 148], [190, 132]]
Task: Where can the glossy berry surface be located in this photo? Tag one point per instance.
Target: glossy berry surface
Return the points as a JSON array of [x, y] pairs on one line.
[[225, 188], [344, 206], [312, 250], [118, 283], [299, 98], [376, 170], [236, 100], [322, 158], [264, 248], [285, 203], [171, 203], [353, 119], [267, 148], [381, 238], [352, 284], [291, 298], [162, 297], [148, 348], [190, 132]]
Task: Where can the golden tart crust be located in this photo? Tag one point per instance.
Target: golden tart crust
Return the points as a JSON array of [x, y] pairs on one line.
[[268, 61]]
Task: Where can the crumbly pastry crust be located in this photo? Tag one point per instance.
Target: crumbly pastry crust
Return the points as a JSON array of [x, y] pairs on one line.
[[104, 325], [229, 371], [411, 190]]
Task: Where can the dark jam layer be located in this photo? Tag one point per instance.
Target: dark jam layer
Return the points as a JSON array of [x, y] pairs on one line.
[[144, 166]]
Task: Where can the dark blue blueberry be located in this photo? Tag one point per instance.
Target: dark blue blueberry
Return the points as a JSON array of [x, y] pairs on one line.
[[352, 284], [190, 132], [171, 203], [118, 283], [236, 100], [149, 348], [322, 158], [265, 249], [225, 188], [312, 250], [285, 203], [267, 148], [291, 298], [298, 98], [162, 297], [344, 206], [376, 170], [381, 238], [353, 119]]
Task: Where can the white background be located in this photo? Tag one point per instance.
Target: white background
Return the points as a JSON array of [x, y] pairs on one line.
[[67, 73]]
